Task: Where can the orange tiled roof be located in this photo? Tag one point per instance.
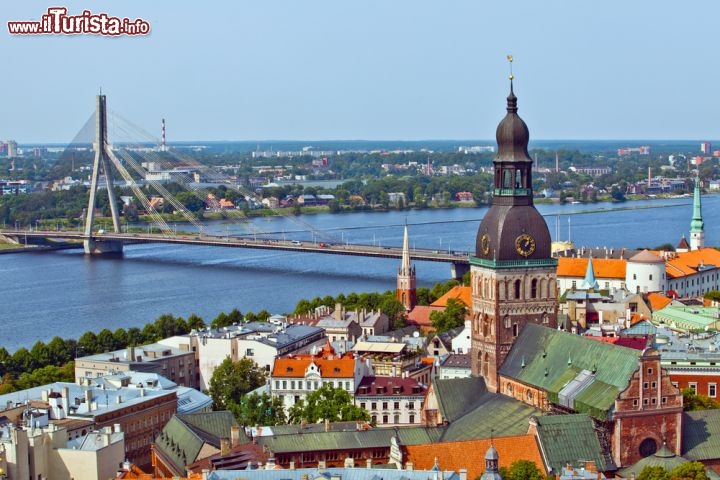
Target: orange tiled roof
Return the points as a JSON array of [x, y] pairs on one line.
[[470, 454], [603, 267], [658, 301], [296, 365], [464, 294], [420, 316], [686, 263]]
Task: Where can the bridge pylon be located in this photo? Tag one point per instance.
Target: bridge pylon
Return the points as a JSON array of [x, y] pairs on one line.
[[93, 242]]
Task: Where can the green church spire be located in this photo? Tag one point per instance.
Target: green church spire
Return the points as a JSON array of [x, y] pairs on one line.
[[697, 226]]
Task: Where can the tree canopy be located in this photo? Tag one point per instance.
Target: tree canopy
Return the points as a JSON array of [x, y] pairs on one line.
[[521, 470], [231, 380], [327, 403]]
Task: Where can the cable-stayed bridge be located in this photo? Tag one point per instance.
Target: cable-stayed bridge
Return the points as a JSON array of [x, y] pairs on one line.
[[128, 160]]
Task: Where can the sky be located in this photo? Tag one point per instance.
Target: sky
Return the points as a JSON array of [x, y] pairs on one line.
[[369, 69]]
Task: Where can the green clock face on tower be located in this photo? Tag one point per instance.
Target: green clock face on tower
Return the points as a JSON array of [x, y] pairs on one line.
[[525, 245]]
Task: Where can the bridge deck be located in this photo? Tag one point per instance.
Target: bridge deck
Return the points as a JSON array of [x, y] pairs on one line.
[[417, 254]]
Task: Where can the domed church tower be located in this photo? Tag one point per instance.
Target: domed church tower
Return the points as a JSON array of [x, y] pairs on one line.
[[513, 275]]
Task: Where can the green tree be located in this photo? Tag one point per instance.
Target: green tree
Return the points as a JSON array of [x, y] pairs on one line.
[[254, 409], [195, 322], [521, 470], [327, 403], [689, 471], [231, 380], [713, 295], [453, 316], [653, 473], [693, 401]]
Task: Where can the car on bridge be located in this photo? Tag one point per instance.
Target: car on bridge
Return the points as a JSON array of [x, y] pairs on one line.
[[297, 242]]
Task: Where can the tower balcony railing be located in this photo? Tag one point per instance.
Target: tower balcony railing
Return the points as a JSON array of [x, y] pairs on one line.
[[539, 262], [512, 192]]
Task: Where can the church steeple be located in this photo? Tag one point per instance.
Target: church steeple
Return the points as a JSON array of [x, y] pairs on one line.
[[492, 470], [589, 283], [697, 226], [406, 280], [512, 274]]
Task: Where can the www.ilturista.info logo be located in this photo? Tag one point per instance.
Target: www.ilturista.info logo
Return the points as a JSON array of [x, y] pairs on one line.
[[57, 22]]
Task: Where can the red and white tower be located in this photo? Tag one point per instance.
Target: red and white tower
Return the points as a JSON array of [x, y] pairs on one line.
[[406, 281]]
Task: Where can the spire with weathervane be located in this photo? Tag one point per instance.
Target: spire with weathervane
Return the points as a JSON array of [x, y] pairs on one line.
[[697, 226], [406, 281]]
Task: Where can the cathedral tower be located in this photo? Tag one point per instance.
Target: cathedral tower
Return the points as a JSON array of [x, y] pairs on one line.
[[513, 275], [406, 278]]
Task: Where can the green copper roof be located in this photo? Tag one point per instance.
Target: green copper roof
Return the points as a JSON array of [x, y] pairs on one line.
[[551, 360], [568, 439], [664, 458], [494, 414], [697, 225], [373, 438], [184, 435], [458, 396], [701, 435]]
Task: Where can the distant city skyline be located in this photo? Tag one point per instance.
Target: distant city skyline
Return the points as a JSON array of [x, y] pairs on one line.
[[370, 70]]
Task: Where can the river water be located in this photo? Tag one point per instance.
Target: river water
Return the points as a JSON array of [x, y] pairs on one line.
[[67, 293]]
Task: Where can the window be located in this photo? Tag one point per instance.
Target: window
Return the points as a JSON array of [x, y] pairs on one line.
[[249, 352], [649, 370], [396, 418], [385, 404], [515, 330], [284, 384], [634, 276], [693, 385], [574, 284], [396, 406], [292, 384], [635, 403], [373, 406], [517, 289], [533, 288], [385, 419], [412, 418], [653, 384], [712, 390], [650, 277], [362, 405], [645, 385]]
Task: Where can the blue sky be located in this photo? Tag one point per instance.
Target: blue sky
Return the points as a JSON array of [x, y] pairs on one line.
[[375, 69]]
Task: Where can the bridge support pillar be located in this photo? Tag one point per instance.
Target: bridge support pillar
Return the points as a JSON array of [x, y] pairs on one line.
[[457, 270], [93, 246]]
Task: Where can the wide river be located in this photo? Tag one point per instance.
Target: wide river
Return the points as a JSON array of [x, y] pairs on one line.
[[67, 293]]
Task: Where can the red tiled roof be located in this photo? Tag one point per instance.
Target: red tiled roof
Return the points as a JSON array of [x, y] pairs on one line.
[[389, 387], [658, 301], [602, 267], [296, 365], [686, 263], [420, 316], [470, 454], [638, 343], [464, 294]]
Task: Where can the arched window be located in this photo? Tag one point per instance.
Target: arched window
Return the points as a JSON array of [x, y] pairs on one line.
[[517, 289], [509, 389], [507, 322], [507, 178], [518, 179], [533, 288], [515, 329]]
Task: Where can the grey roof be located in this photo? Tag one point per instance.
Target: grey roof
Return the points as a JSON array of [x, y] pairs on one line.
[[570, 439], [104, 400], [360, 473], [456, 360], [701, 435]]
